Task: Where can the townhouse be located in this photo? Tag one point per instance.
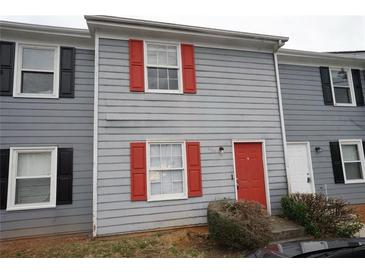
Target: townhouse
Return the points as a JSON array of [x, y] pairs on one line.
[[135, 125]]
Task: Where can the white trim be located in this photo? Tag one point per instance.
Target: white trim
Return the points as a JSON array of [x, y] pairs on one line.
[[178, 67], [309, 154], [350, 86], [264, 163], [95, 137], [18, 70], [178, 196], [44, 29], [311, 58], [197, 43], [13, 163], [282, 119], [358, 143]]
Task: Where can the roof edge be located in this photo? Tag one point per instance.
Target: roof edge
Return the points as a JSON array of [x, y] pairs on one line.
[[102, 19], [292, 56], [10, 25]]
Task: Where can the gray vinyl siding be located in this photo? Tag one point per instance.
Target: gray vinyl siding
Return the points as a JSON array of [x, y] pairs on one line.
[[236, 99], [64, 122], [308, 119]]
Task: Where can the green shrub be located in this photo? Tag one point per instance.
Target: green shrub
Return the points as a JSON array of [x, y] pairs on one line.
[[322, 216], [242, 224]]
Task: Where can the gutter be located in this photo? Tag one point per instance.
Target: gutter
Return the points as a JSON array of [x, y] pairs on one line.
[[281, 112]]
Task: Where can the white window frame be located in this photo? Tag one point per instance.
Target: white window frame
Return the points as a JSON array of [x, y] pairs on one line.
[[178, 67], [18, 71], [173, 196], [360, 151], [13, 164], [350, 86]]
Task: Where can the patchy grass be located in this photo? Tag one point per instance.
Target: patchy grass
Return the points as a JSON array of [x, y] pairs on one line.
[[186, 243]]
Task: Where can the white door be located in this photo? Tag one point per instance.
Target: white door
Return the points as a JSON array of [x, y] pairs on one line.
[[300, 168]]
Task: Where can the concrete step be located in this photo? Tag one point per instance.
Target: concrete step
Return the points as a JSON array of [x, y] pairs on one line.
[[284, 229]]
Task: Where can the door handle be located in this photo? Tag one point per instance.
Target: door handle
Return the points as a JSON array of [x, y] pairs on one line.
[[309, 179]]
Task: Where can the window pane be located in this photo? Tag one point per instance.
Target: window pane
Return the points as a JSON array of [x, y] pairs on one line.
[[155, 188], [162, 79], [339, 77], [152, 78], [177, 162], [177, 175], [177, 187], [172, 58], [34, 164], [353, 171], [166, 182], [173, 82], [166, 156], [162, 58], [38, 59], [32, 191], [155, 150], [343, 95], [152, 57], [155, 176], [173, 73], [176, 149], [37, 82], [350, 153]]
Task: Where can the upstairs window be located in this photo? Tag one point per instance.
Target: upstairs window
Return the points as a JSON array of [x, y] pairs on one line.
[[163, 68], [353, 162], [37, 71], [342, 87]]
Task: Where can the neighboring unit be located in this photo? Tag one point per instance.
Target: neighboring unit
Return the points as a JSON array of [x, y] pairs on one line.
[[324, 113], [46, 130]]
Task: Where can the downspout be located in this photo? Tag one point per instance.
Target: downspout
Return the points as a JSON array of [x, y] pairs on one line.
[[95, 139], [281, 112]]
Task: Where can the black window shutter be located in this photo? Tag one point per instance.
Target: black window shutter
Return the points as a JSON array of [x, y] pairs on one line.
[[64, 176], [356, 78], [7, 54], [337, 163], [4, 175], [326, 85], [67, 72]]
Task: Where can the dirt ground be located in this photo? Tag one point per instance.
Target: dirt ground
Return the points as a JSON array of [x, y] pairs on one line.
[[185, 242], [360, 209]]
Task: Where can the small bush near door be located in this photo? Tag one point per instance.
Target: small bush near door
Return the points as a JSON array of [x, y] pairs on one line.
[[321, 216], [239, 224]]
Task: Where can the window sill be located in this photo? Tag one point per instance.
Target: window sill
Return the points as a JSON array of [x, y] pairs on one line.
[[36, 96], [30, 206], [164, 91], [159, 198], [344, 105], [355, 182]]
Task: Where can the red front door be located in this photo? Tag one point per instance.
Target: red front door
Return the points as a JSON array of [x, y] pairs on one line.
[[250, 172]]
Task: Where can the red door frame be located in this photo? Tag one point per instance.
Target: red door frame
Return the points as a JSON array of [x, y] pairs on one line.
[[266, 177]]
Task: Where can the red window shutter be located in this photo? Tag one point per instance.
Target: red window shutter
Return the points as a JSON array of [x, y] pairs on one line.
[[138, 172], [188, 68], [136, 65], [194, 169]]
